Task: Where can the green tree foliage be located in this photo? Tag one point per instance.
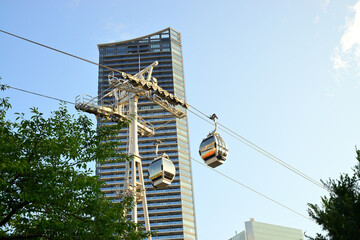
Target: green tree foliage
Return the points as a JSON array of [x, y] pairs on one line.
[[47, 190], [339, 214]]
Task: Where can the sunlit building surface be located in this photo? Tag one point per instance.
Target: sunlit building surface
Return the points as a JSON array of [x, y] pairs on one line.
[[171, 210], [264, 231]]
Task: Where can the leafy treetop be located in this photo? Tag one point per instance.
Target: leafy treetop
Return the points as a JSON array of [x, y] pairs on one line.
[[47, 190]]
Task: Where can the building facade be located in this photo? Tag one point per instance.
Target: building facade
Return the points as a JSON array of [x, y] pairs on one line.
[[171, 210], [264, 231]]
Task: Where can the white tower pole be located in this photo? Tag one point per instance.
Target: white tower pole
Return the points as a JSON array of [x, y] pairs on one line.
[[136, 165]]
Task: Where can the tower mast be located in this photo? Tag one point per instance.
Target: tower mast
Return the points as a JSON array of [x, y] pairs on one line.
[[126, 90]]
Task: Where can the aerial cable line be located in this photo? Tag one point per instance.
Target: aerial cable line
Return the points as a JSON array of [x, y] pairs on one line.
[[41, 95], [251, 189], [57, 50], [244, 140], [68, 54], [241, 184], [259, 149], [220, 173], [164, 124]]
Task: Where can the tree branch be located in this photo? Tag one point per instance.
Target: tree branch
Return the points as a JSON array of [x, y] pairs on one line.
[[22, 237], [13, 211]]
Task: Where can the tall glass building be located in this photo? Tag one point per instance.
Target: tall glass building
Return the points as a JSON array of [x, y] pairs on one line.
[[171, 210]]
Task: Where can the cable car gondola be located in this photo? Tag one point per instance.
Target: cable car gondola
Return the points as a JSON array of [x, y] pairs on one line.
[[161, 171], [213, 149]]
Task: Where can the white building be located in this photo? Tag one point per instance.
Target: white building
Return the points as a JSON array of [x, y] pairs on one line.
[[264, 231]]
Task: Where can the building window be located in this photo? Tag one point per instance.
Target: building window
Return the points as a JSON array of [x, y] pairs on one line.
[[155, 37], [176, 47], [175, 33], [121, 48], [155, 45], [144, 40]]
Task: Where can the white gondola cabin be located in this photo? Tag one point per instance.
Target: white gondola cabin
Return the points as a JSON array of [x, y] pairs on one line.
[[213, 149], [162, 171]]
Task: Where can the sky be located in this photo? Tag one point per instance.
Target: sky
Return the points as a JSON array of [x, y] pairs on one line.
[[283, 74]]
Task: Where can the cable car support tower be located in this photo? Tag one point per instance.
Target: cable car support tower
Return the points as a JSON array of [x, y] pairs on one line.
[[126, 90]]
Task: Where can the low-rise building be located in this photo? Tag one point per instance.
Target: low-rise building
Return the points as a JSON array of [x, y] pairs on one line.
[[264, 231]]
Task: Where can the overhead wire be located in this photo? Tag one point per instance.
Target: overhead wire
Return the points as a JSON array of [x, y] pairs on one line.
[[164, 124], [171, 147], [224, 128], [57, 50], [41, 95], [258, 149], [251, 189], [246, 143], [66, 53], [240, 183]]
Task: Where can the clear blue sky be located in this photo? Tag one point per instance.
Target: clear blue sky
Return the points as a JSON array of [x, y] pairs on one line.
[[283, 74]]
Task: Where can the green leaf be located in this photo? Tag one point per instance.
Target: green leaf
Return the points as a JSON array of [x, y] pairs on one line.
[[46, 189]]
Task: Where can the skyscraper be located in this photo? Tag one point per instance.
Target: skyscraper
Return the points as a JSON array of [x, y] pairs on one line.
[[171, 210]]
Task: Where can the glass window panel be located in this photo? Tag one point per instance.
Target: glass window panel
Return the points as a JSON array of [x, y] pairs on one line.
[[186, 191], [191, 230], [176, 47], [185, 184], [121, 48], [177, 61], [173, 32], [185, 202], [178, 66], [188, 209], [176, 52], [185, 177], [187, 168], [178, 76], [144, 40], [155, 36], [190, 217], [187, 236], [185, 174], [188, 222], [180, 89], [175, 56]]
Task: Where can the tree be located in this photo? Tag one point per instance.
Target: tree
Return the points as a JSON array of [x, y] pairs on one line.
[[339, 214], [47, 190]]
